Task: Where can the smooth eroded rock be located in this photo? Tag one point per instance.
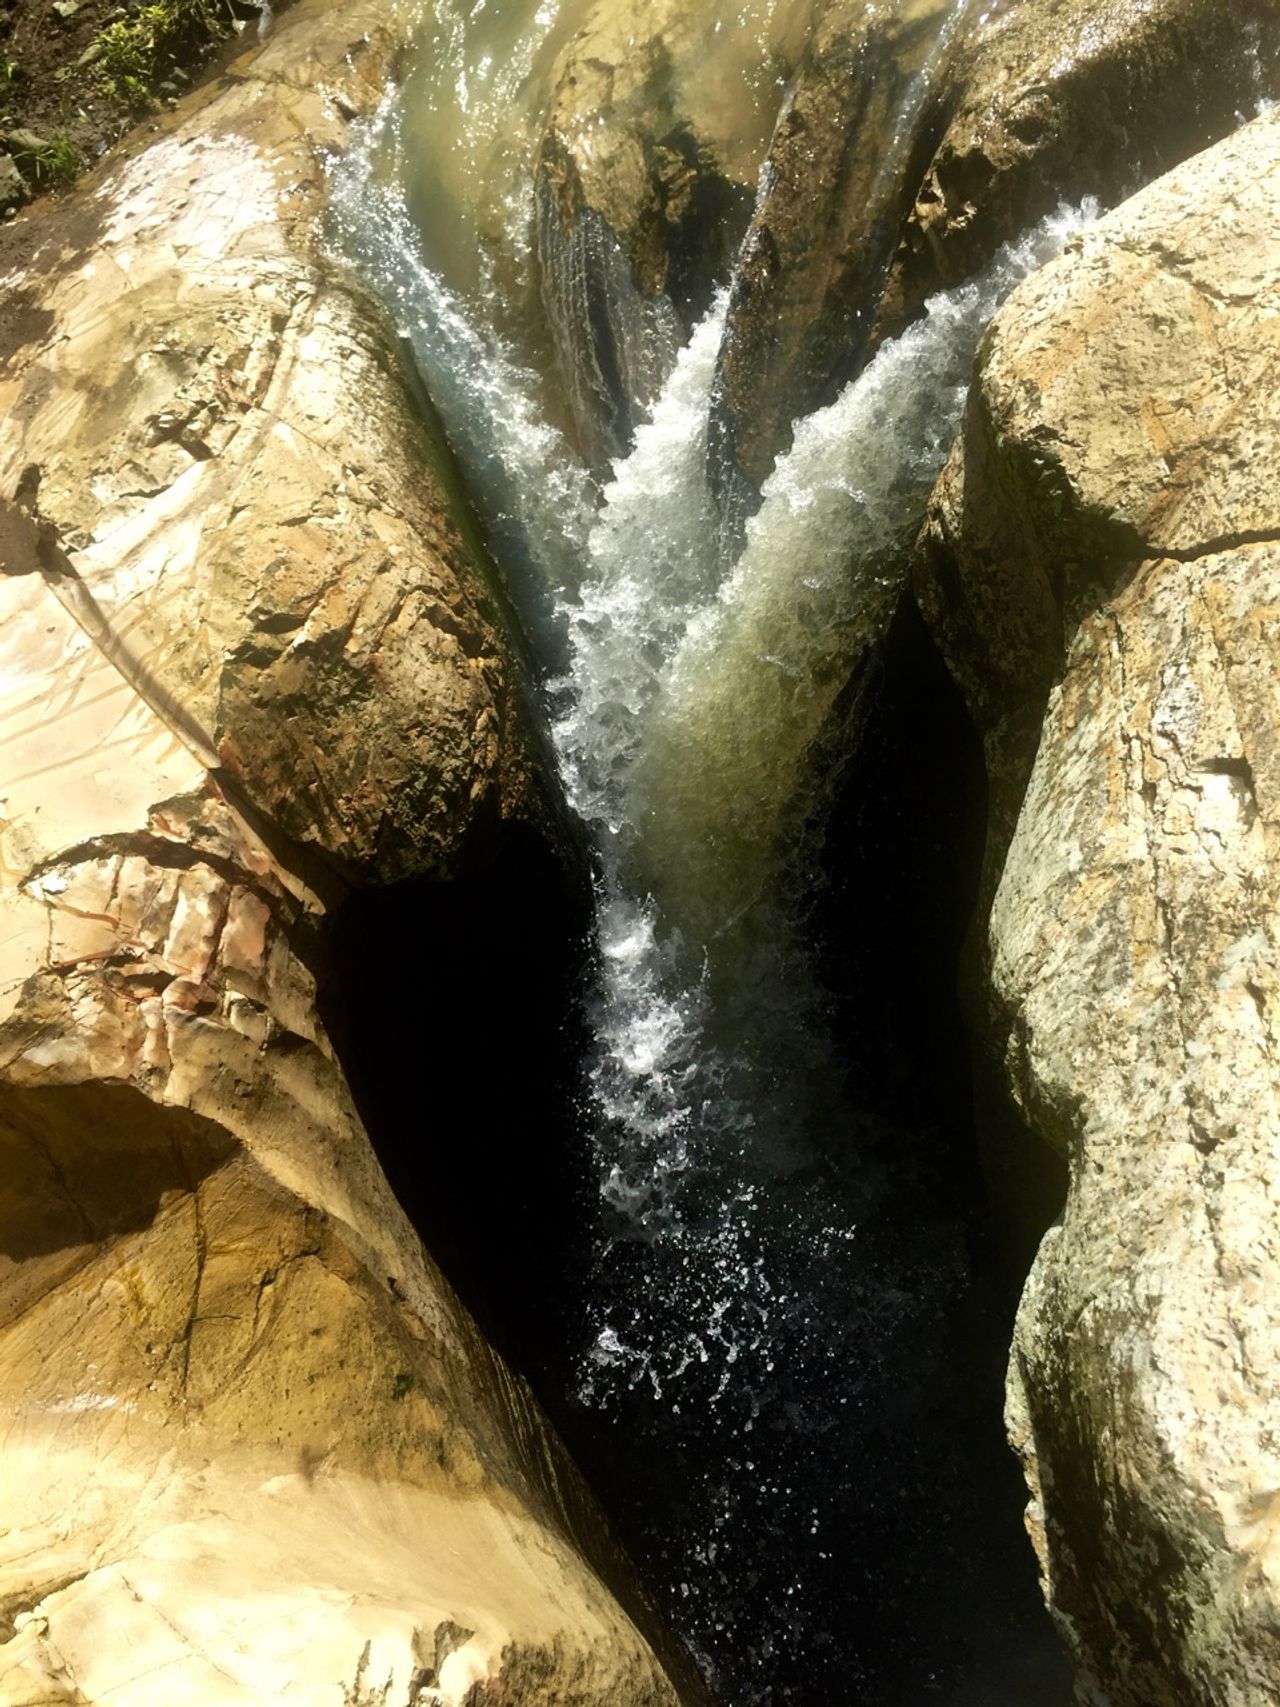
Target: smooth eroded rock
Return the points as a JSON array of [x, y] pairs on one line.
[[1048, 101], [918, 138], [254, 1449], [208, 422], [645, 176], [838, 182]]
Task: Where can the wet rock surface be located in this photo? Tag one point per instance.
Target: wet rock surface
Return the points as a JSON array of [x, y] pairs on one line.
[[873, 199], [209, 429], [1104, 542], [251, 656], [836, 188], [1047, 101], [255, 1449], [645, 178]]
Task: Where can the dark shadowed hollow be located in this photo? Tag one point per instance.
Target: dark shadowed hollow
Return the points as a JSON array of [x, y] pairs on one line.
[[916, 1580]]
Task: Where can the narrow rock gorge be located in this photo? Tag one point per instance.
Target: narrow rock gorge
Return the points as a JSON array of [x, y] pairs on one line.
[[637, 961]]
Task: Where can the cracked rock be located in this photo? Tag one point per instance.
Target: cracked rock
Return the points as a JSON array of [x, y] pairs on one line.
[[1101, 570], [254, 1449]]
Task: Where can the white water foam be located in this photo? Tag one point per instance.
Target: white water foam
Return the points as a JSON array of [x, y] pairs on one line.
[[534, 496], [694, 704], [687, 707]]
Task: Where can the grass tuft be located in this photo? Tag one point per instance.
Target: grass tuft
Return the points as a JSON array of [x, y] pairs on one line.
[[60, 163]]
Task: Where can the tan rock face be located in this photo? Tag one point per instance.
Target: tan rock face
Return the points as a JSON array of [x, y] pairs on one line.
[[918, 137], [253, 1449], [210, 427], [1046, 101], [1107, 428], [646, 171], [656, 112], [252, 1444], [1107, 538], [838, 184]]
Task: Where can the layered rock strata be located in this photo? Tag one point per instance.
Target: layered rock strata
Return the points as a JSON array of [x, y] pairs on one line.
[[1102, 575], [254, 1450]]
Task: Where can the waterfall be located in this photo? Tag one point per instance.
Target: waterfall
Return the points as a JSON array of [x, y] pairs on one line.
[[535, 497], [689, 703]]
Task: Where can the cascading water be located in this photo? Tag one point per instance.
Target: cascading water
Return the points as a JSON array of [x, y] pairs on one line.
[[740, 1312]]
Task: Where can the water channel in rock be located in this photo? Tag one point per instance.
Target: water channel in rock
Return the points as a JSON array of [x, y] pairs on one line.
[[777, 1324]]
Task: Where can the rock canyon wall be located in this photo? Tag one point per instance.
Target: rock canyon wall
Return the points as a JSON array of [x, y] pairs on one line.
[[254, 657], [253, 1448], [1100, 570]]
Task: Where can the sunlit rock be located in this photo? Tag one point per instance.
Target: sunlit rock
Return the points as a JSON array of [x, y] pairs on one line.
[[212, 430], [253, 1448], [838, 182], [919, 137], [645, 178], [1044, 100], [1105, 542]]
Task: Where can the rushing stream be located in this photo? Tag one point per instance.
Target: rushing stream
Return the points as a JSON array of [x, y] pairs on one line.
[[746, 1294]]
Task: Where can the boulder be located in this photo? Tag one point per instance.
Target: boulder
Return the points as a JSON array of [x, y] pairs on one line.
[[207, 423], [844, 156], [255, 1450], [1102, 573], [1046, 101], [917, 138], [646, 170], [13, 186]]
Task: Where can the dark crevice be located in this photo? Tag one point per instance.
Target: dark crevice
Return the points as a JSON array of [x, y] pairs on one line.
[[456, 1010], [939, 1495], [1151, 552], [454, 1007]]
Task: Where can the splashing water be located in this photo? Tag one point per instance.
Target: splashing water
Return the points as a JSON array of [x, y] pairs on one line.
[[535, 497], [732, 1314]]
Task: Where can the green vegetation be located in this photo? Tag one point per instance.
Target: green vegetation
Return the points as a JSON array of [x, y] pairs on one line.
[[61, 162], [135, 54], [67, 95]]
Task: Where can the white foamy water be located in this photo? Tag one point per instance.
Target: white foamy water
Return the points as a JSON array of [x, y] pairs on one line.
[[647, 570], [695, 706], [689, 706], [535, 498], [688, 712], [753, 680]]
